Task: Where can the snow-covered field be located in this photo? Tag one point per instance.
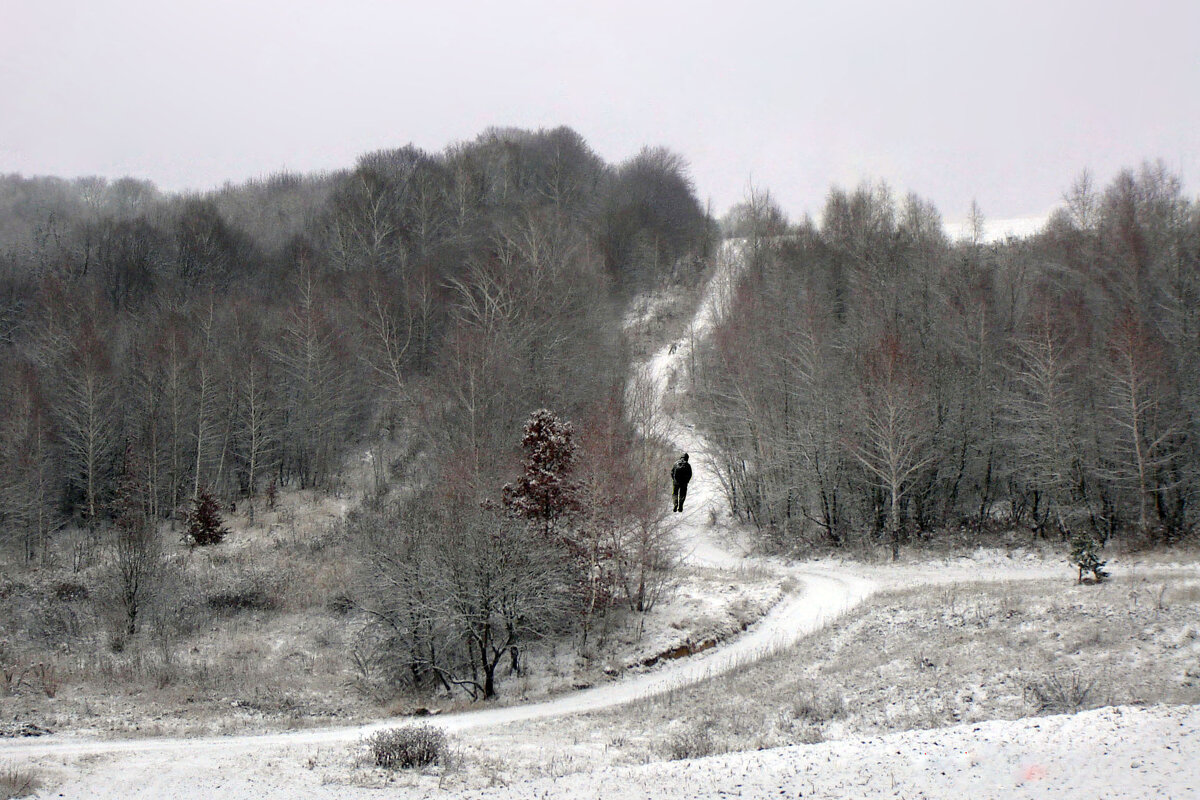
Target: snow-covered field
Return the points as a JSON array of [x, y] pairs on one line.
[[1111, 752], [998, 230]]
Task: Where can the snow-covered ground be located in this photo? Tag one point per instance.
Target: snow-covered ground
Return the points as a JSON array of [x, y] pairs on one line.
[[820, 597], [997, 230], [1110, 752], [1120, 752]]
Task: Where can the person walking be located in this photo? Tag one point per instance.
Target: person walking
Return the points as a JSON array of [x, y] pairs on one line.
[[681, 473]]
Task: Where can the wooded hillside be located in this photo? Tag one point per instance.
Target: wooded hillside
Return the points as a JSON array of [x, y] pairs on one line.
[[874, 381], [250, 337]]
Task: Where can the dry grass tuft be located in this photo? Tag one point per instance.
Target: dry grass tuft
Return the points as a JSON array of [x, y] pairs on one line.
[[17, 782], [816, 709], [1062, 692], [694, 742]]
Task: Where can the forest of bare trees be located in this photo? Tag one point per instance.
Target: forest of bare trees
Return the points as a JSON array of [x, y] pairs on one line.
[[163, 357], [872, 381], [252, 335]]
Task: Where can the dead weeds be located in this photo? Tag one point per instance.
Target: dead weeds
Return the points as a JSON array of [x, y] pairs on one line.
[[17, 782], [930, 658]]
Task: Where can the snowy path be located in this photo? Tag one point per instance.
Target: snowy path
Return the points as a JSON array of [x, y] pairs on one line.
[[1108, 752], [823, 597]]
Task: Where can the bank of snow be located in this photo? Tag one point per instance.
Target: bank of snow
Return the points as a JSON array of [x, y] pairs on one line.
[[1122, 752], [1110, 752]]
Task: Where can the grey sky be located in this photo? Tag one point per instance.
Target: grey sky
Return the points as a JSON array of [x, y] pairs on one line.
[[1005, 102]]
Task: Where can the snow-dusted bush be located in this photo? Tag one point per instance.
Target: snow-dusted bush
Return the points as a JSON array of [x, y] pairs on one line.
[[814, 708], [17, 782], [694, 742], [1085, 554], [235, 590], [408, 746], [1061, 692]]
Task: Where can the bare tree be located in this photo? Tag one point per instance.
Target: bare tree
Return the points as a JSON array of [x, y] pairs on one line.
[[138, 553], [455, 592], [629, 550], [80, 361], [27, 464], [892, 436], [500, 589], [391, 334], [1138, 406], [1043, 412], [314, 379], [976, 224], [205, 391], [255, 426]]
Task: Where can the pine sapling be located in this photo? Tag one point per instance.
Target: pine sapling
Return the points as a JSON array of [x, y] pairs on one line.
[[1085, 554], [205, 525]]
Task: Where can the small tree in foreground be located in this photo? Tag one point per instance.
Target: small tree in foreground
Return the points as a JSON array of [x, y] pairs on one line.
[[1085, 554], [204, 523], [138, 556]]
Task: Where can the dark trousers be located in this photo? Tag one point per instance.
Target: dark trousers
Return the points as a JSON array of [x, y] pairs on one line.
[[677, 495]]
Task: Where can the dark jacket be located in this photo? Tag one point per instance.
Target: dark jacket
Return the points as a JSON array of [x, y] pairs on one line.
[[681, 473]]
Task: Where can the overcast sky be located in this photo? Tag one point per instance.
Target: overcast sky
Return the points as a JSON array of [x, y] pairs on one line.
[[1002, 101]]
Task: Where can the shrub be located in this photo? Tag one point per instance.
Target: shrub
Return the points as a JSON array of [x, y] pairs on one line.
[[813, 708], [695, 742], [55, 623], [1085, 554], [10, 679], [70, 591], [1060, 693], [340, 604], [48, 678], [241, 600], [16, 782], [408, 746], [249, 590]]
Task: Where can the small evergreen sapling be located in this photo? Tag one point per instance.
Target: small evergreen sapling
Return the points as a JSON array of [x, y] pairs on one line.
[[204, 524], [546, 493], [1085, 554]]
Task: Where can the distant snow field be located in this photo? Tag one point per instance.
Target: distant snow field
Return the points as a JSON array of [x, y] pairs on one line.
[[997, 230]]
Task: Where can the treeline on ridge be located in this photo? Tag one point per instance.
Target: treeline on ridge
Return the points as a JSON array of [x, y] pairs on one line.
[[248, 337], [873, 382]]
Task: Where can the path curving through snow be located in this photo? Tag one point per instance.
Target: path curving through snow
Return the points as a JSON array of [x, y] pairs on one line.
[[1131, 752], [822, 596]]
